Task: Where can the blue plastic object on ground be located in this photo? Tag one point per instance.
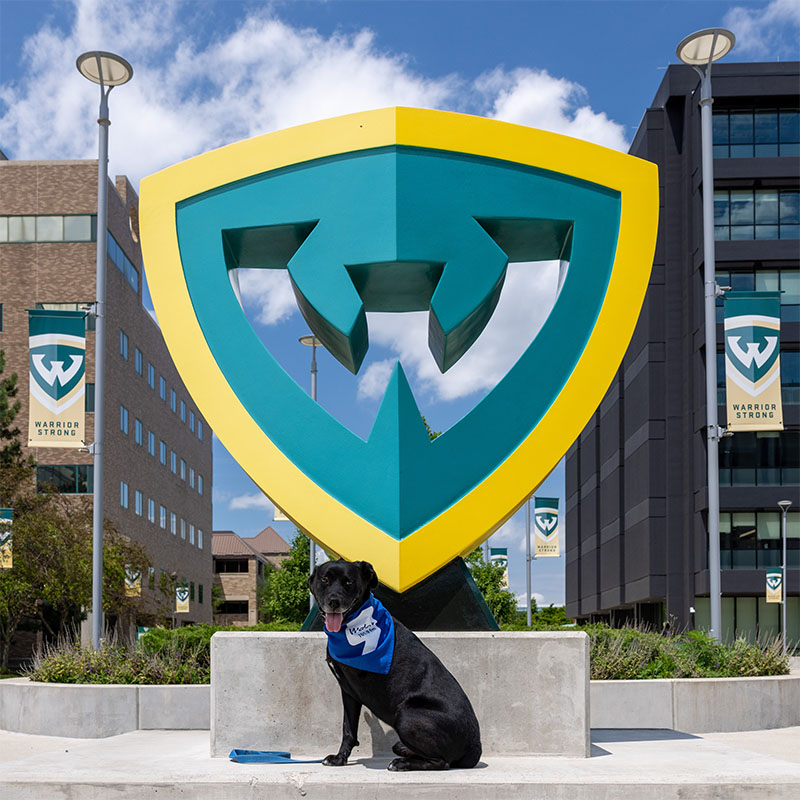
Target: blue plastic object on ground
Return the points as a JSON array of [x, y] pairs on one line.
[[268, 757]]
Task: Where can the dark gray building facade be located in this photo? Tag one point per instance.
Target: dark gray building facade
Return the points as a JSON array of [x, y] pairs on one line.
[[636, 488]]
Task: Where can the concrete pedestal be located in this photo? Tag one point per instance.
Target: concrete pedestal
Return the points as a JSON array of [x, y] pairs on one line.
[[274, 691]]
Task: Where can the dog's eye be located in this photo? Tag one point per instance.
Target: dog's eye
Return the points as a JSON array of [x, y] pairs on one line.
[[324, 580], [348, 583]]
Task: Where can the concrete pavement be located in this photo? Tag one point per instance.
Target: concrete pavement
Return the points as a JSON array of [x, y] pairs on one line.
[[629, 764]]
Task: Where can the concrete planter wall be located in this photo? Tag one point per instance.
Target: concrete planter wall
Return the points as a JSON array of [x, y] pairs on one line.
[[94, 711], [697, 705]]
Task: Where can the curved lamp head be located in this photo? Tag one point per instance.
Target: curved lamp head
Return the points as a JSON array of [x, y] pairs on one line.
[[704, 47], [784, 504], [310, 341], [107, 69]]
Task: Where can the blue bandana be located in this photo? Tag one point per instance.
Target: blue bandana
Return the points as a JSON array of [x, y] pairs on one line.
[[365, 640]]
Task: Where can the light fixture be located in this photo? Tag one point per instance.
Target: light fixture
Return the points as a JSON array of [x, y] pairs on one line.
[[104, 68], [706, 46]]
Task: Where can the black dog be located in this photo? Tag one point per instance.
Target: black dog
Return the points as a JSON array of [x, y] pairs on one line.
[[408, 688]]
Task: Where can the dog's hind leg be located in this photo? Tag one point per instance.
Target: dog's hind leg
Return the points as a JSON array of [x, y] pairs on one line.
[[352, 713], [417, 763], [399, 749]]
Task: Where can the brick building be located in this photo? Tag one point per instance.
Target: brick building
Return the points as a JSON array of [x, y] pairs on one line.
[[158, 460], [239, 569], [636, 485]]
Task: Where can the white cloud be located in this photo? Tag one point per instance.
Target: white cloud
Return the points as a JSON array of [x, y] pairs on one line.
[[189, 95], [538, 596], [767, 31], [526, 299], [536, 98], [245, 502]]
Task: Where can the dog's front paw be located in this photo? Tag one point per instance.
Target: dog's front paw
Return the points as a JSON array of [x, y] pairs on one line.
[[334, 760]]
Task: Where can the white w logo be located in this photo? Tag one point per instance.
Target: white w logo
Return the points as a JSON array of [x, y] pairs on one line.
[[753, 353], [56, 372], [547, 522]]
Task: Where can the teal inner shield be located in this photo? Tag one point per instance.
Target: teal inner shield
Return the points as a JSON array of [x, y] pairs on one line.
[[336, 223]]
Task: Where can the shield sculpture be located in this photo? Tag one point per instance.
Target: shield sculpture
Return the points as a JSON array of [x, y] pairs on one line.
[[397, 210]]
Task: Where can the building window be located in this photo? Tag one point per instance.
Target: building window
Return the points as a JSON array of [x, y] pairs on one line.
[[786, 281], [183, 411], [173, 400], [123, 494], [138, 360], [151, 443], [191, 591], [200, 430], [139, 503], [191, 421], [173, 461], [756, 214], [123, 419], [122, 262], [756, 133], [231, 565], [1, 316], [183, 528], [191, 533], [151, 375], [233, 607], [752, 539], [138, 432], [173, 524], [763, 458], [191, 477], [151, 510], [65, 478], [88, 405], [162, 388], [50, 228], [162, 452], [162, 517], [183, 470], [200, 593], [199, 539], [151, 578], [199, 483], [123, 344]]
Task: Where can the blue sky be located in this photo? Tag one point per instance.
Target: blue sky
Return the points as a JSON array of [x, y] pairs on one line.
[[211, 73]]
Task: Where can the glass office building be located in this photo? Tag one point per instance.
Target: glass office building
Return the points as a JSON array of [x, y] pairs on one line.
[[637, 500]]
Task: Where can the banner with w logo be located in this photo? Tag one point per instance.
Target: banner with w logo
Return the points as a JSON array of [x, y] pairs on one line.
[[6, 554], [57, 378], [752, 361], [181, 599], [775, 587], [133, 582], [499, 556], [545, 538]]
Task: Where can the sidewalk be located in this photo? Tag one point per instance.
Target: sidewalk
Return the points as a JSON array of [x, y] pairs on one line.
[[629, 764]]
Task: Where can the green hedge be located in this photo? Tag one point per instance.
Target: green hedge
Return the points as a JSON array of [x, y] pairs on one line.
[[183, 655]]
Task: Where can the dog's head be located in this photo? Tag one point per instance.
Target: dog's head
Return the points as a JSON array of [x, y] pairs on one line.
[[340, 587]]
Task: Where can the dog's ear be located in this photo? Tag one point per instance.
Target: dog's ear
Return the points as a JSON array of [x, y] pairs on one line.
[[370, 578], [310, 579]]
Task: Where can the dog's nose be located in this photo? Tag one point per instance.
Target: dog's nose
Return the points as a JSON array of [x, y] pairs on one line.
[[334, 603]]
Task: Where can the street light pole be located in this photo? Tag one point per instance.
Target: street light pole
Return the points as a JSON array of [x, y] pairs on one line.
[[702, 49], [313, 343], [107, 70], [784, 507], [528, 558]]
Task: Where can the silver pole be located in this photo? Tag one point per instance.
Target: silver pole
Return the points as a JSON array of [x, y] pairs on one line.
[[99, 370], [710, 291], [784, 507], [312, 552], [528, 558]]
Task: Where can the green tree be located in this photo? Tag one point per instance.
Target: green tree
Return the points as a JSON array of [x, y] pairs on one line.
[[285, 596], [489, 579]]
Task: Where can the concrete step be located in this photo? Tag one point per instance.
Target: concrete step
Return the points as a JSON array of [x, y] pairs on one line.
[[630, 765]]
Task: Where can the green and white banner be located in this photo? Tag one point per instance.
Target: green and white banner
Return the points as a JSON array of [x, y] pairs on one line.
[[774, 587], [752, 361], [182, 599], [6, 552], [57, 378], [133, 582], [499, 555], [545, 534]]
